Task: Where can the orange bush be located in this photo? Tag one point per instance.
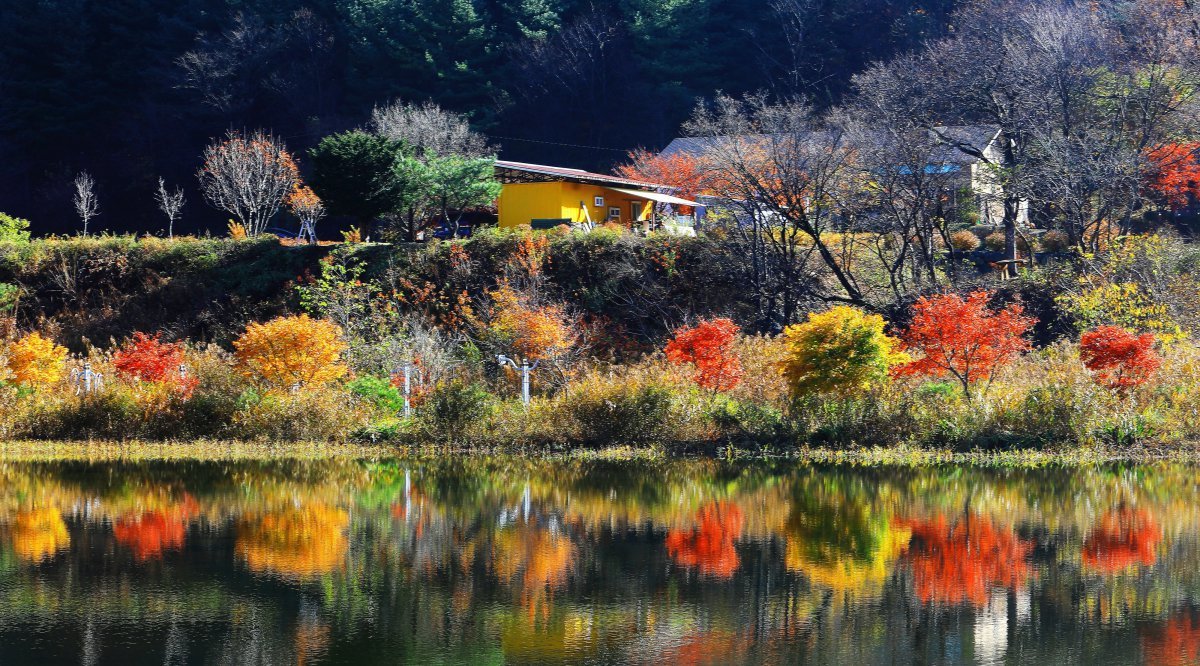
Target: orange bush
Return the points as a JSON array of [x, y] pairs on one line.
[[287, 351], [39, 534], [709, 347], [1117, 358], [295, 543], [36, 362]]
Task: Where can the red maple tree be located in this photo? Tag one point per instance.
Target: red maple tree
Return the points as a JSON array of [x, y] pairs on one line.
[[963, 338], [146, 358], [1118, 358], [1174, 173], [709, 546], [709, 347], [1121, 539], [958, 562]]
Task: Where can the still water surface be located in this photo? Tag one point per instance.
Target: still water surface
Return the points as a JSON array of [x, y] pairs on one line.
[[478, 561]]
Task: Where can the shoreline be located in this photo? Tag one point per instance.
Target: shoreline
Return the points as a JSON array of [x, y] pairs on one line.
[[32, 451]]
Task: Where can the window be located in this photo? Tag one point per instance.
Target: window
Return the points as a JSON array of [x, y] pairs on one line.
[[614, 212], [599, 202]]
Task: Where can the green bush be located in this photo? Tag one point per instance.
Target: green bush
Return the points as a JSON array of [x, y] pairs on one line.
[[453, 407], [13, 229], [377, 392]]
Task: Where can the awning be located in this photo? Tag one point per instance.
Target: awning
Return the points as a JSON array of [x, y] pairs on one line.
[[657, 196]]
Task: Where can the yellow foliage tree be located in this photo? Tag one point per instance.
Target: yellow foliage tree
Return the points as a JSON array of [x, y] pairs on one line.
[[841, 351], [287, 351], [36, 362]]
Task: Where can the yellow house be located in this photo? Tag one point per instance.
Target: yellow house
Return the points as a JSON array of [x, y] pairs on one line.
[[544, 197]]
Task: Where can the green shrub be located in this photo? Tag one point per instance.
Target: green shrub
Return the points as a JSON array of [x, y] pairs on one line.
[[453, 407], [13, 229], [377, 392]]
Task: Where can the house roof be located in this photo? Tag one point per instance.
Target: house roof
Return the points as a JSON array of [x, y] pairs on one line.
[[522, 172], [957, 144]]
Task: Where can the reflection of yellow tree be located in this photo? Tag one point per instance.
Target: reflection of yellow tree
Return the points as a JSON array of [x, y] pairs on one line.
[[840, 534], [844, 571], [39, 533], [541, 560], [295, 543]]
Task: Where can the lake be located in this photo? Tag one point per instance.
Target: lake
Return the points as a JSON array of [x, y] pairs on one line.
[[479, 560]]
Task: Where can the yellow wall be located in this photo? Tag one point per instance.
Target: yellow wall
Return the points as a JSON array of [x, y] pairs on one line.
[[519, 203]]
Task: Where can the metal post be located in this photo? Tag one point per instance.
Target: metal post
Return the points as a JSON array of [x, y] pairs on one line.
[[407, 390], [525, 369]]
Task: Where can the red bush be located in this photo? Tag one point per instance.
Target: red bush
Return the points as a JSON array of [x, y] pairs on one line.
[[146, 358], [709, 347], [1118, 358], [963, 338]]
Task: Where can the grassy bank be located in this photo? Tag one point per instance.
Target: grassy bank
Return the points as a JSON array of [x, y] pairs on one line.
[[604, 314]]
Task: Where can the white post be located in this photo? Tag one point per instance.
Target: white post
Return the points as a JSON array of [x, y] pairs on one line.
[[407, 390]]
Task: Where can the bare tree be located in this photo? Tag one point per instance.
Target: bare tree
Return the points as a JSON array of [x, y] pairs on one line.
[[429, 127], [170, 203], [86, 204], [248, 176], [788, 176]]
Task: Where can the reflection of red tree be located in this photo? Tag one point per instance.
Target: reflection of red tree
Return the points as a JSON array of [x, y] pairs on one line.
[[957, 563], [709, 647], [1176, 642], [1121, 539], [709, 546], [152, 532]]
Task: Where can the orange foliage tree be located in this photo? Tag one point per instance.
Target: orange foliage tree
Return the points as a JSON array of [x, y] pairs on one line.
[[957, 562], [1121, 539], [709, 347], [1118, 358], [1174, 173], [963, 338], [689, 175], [308, 208], [528, 330], [290, 351], [709, 547], [147, 358], [36, 362]]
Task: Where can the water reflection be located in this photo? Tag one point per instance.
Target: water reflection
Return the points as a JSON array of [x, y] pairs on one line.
[[506, 560]]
